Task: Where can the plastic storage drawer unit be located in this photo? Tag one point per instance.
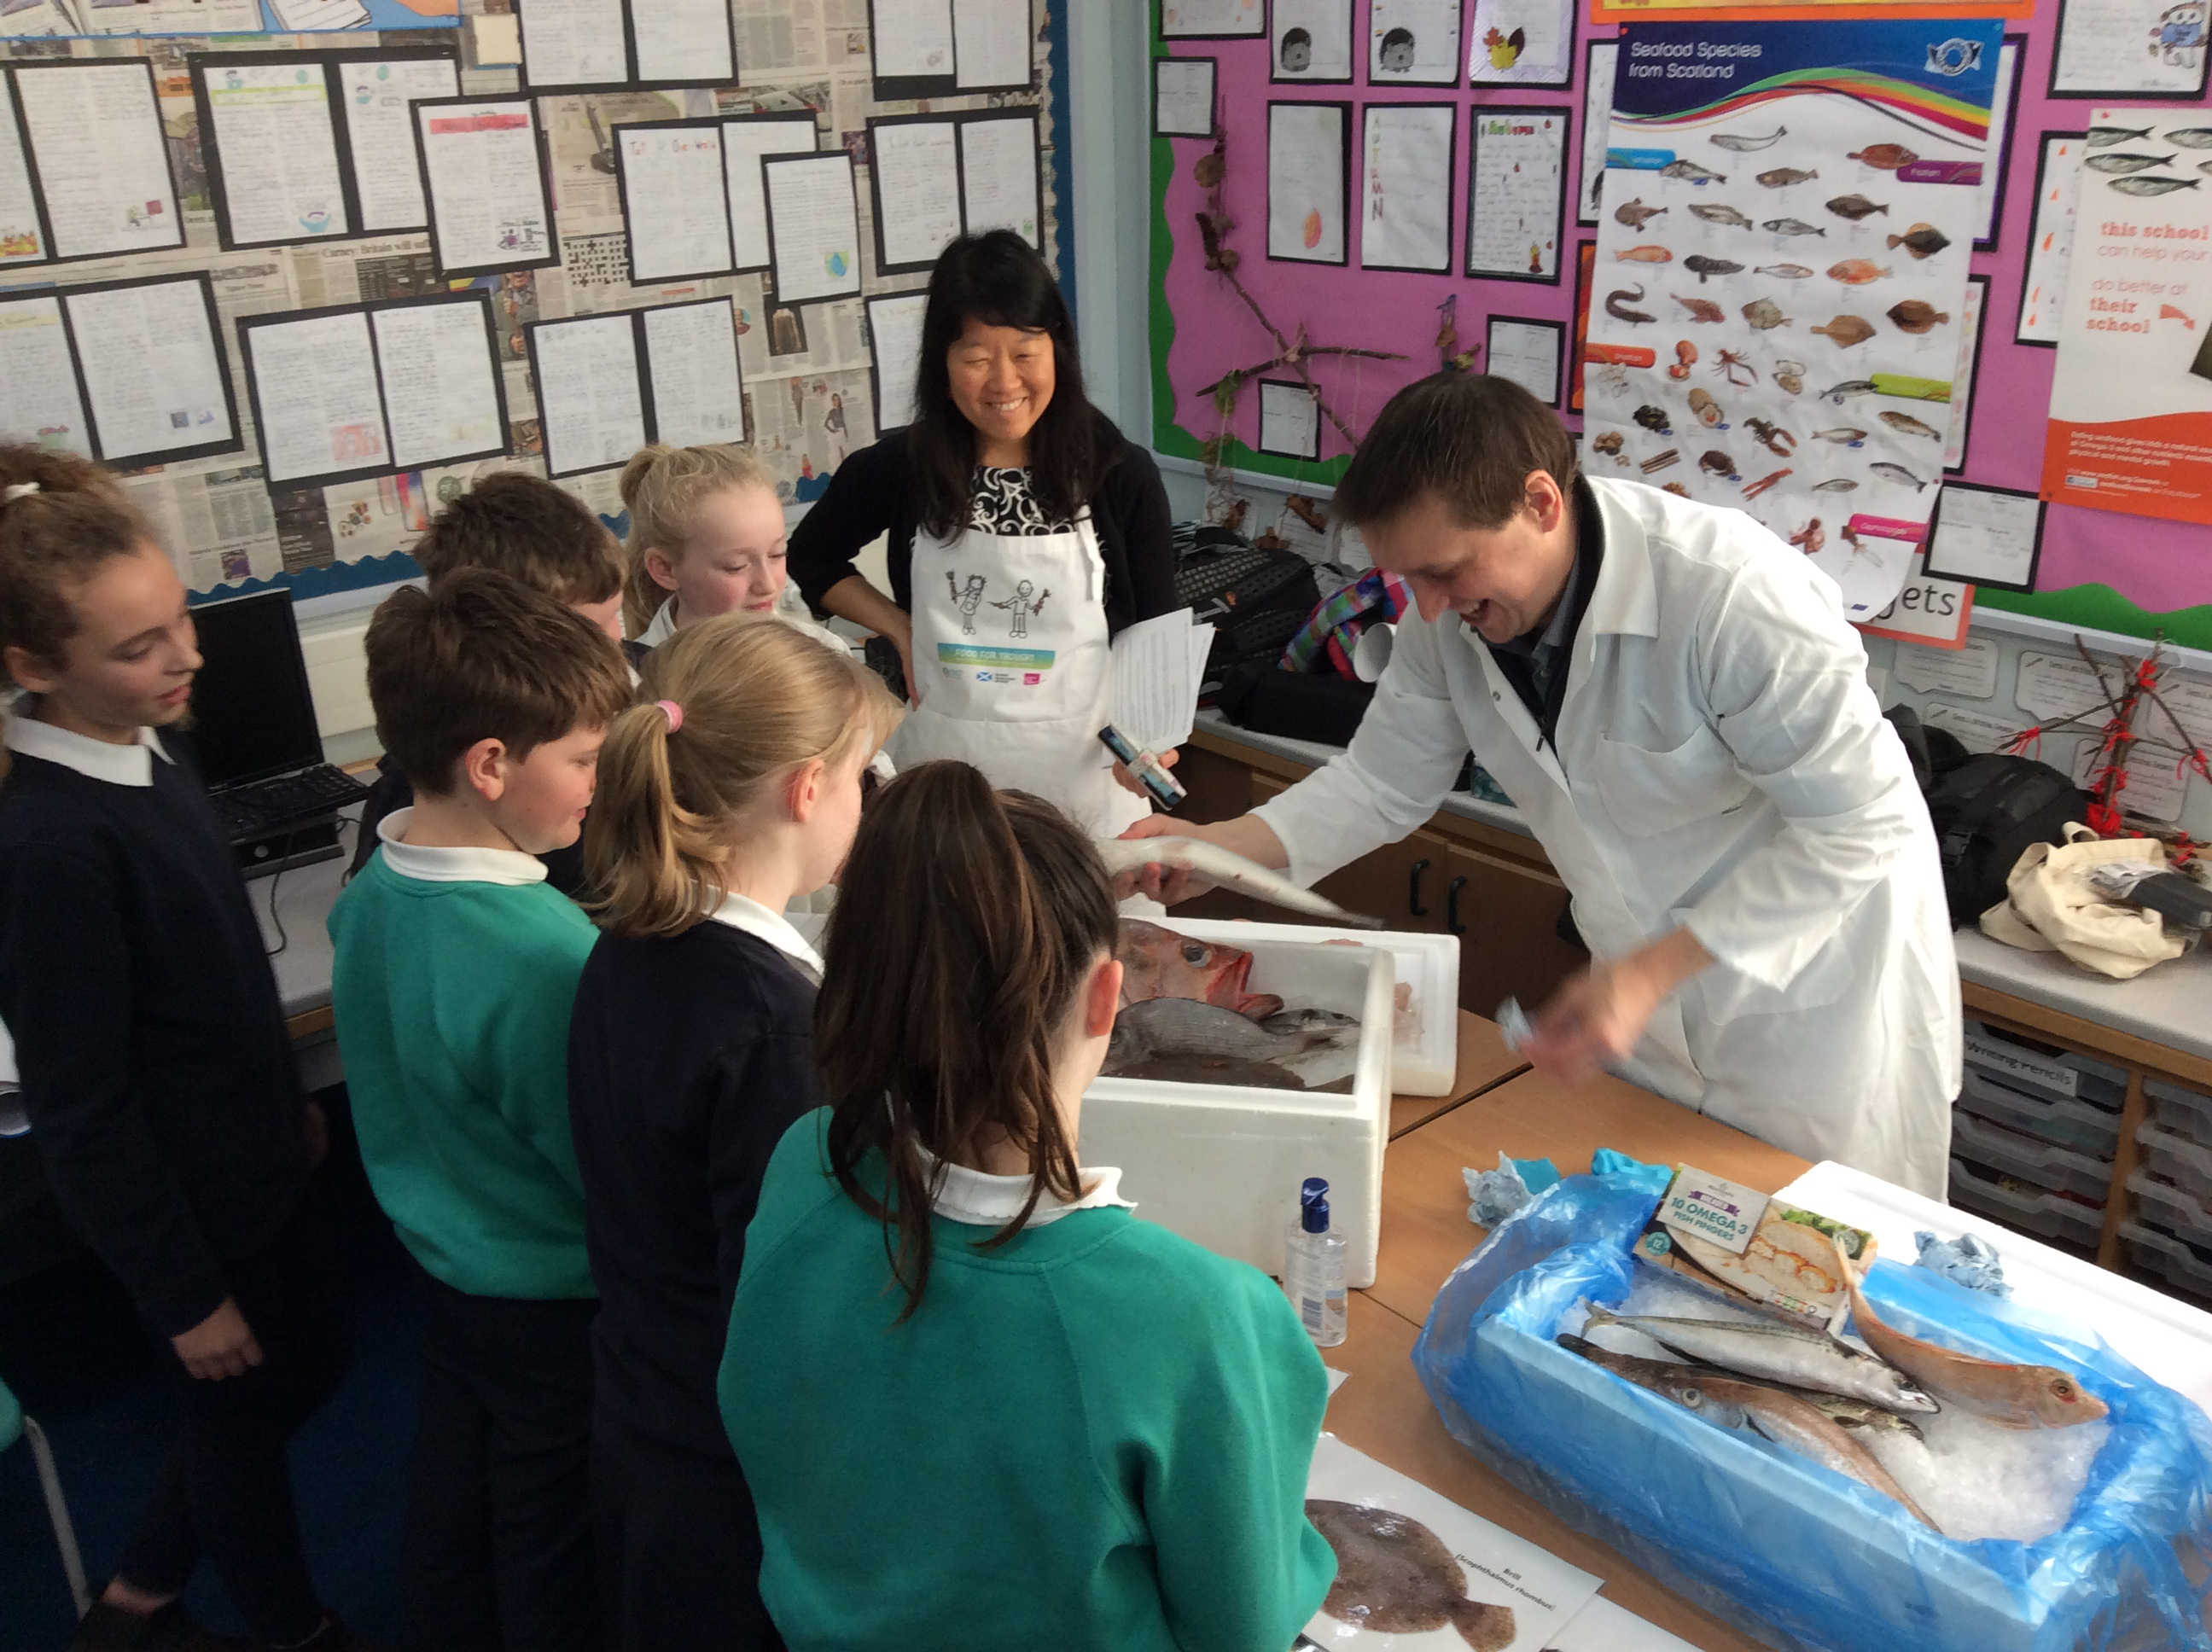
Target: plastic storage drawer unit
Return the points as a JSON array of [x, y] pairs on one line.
[[2045, 1069], [2186, 1268], [2177, 1108], [2074, 1126], [2052, 1169], [2040, 1215], [2178, 1160], [2164, 1205]]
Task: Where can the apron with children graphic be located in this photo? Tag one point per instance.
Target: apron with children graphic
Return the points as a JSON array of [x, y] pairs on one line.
[[1012, 668]]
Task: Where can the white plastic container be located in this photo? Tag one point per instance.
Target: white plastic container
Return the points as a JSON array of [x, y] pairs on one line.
[[2167, 1206], [2179, 1160], [1425, 1061], [2177, 1108], [2040, 1215], [2188, 1272], [2074, 1126], [2049, 1168], [1221, 1164], [2062, 1073]]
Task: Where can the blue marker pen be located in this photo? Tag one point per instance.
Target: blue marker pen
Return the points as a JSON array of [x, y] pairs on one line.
[[1164, 786]]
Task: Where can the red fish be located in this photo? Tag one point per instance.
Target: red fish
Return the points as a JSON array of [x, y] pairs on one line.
[[1158, 962]]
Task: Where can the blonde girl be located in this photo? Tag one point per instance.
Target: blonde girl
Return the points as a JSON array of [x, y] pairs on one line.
[[733, 788]]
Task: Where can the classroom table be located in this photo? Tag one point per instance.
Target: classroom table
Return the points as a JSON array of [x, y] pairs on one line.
[[1498, 1105]]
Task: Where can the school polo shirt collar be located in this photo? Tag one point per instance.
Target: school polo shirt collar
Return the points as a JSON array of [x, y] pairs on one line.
[[742, 913], [453, 865], [97, 760], [977, 1200]]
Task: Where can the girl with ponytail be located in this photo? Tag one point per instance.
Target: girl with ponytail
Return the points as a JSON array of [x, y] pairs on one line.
[[955, 1360], [733, 787]]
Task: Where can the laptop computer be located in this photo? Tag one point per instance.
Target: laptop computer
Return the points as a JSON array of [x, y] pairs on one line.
[[253, 728]]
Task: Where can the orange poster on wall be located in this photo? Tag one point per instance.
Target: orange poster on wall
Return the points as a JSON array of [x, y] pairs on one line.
[[2131, 401]]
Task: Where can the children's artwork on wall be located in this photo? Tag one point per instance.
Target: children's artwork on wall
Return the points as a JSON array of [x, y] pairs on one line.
[[1599, 58], [1211, 20], [1522, 43], [1405, 186], [1413, 42], [1310, 40], [2051, 244], [2129, 48], [1516, 190], [1183, 97], [1529, 353], [1308, 151]]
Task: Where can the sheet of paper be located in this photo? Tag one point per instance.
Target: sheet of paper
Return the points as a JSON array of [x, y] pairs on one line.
[[440, 382], [1336, 1378], [745, 142], [1971, 318], [1601, 1627], [379, 93], [894, 327], [1993, 166], [2050, 247], [169, 16], [1985, 536], [1528, 353], [498, 40], [1290, 421], [2156, 787], [1413, 42], [1603, 58], [1519, 161], [916, 167], [2060, 685], [1155, 690], [1405, 187], [21, 240], [1183, 98], [1493, 1565], [573, 43], [303, 16], [1977, 731], [102, 156], [1310, 40], [2129, 46], [991, 44], [677, 213], [1197, 19], [1971, 671], [1305, 182], [487, 205], [691, 362], [683, 40], [588, 393], [314, 382], [1521, 42], [814, 226], [913, 38], [22, 20], [41, 408], [152, 371], [277, 148], [998, 175]]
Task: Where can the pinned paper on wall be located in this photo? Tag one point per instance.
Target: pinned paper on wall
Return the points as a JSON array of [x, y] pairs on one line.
[[490, 197], [1001, 168], [1306, 165], [1516, 185], [42, 408], [1986, 536], [1413, 42], [1977, 731], [747, 140], [1963, 372], [1924, 608], [669, 175], [1289, 419], [895, 326], [1522, 43], [380, 93], [2051, 242], [2011, 60], [271, 147], [1600, 60], [23, 237], [813, 226], [102, 156], [1529, 353], [1971, 671], [1405, 186], [914, 172], [691, 364], [1310, 40], [1183, 97], [590, 391], [2129, 49], [152, 364], [1211, 20]]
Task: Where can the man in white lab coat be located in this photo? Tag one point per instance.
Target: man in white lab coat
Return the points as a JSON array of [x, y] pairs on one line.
[[1672, 698]]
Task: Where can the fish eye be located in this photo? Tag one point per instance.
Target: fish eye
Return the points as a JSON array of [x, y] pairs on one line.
[[2063, 1388], [1193, 952]]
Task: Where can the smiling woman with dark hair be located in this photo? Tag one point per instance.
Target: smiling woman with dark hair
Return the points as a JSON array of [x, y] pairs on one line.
[[1025, 532]]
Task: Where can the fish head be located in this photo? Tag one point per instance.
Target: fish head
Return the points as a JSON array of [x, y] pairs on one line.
[[2054, 1400], [1901, 1392], [1692, 1394], [1158, 962]]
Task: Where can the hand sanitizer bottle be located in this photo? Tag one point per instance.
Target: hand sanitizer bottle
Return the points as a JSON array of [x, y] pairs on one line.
[[1313, 1266]]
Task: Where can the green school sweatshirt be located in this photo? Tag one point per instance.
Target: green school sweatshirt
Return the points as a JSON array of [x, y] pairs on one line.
[[452, 1001], [1094, 1437]]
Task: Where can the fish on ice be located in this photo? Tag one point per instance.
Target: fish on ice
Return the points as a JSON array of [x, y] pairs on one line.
[[1218, 866], [1184, 1026], [1777, 1353], [1161, 963]]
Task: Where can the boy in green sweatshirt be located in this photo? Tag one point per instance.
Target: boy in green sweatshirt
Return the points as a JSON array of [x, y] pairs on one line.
[[454, 968]]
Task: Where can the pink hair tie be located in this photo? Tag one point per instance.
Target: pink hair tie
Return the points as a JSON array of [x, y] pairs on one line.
[[675, 714]]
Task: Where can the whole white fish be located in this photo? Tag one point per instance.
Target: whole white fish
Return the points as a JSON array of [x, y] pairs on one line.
[[1218, 867], [1804, 1358]]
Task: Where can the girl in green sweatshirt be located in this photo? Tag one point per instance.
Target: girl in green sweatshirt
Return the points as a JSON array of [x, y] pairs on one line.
[[977, 1402]]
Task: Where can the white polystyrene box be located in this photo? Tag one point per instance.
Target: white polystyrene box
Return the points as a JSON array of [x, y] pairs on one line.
[[1220, 1164]]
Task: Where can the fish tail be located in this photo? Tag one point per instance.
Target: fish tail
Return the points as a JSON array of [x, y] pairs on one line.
[[1575, 1345], [1484, 1627], [1603, 1316]]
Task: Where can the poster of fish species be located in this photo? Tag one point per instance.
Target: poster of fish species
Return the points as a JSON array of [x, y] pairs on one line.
[[2131, 401], [1780, 275], [1415, 1572]]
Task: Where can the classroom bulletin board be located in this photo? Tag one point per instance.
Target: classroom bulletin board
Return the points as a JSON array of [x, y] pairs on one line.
[[1516, 68], [301, 281]]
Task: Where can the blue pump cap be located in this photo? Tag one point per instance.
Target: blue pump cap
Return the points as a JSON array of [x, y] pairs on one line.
[[1312, 1206]]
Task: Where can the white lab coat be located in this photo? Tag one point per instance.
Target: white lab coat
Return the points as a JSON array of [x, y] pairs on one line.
[[1722, 765]]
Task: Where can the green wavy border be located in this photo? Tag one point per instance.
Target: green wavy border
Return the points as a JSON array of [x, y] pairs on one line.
[[2100, 608]]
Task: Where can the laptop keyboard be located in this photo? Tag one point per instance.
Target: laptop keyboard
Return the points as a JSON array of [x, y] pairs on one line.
[[261, 805]]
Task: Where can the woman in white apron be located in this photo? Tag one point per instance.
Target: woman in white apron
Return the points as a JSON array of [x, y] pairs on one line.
[[1022, 532]]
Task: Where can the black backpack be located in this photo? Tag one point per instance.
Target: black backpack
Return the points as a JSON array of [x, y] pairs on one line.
[[1987, 809], [1254, 600]]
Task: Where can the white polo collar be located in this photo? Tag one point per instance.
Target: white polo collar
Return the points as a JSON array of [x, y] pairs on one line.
[[743, 913], [661, 626], [977, 1200], [98, 760], [428, 865]]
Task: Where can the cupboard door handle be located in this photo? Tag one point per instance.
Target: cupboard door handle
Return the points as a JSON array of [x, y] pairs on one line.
[[1413, 889], [1452, 925]]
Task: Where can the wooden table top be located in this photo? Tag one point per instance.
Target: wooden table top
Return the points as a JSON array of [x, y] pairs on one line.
[[1484, 1060], [1425, 1233]]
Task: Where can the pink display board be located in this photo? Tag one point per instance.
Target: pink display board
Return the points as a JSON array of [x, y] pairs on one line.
[[2124, 573]]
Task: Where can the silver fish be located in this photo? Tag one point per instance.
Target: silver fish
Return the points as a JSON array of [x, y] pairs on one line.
[[1841, 433], [2147, 188], [1777, 1353], [2191, 137], [2119, 165], [1792, 227], [1216, 865], [1183, 1026], [1737, 143], [1856, 1414], [1898, 473], [1330, 1022], [1721, 214], [1911, 426], [1784, 271], [1840, 485], [2103, 137], [1838, 394], [1693, 173]]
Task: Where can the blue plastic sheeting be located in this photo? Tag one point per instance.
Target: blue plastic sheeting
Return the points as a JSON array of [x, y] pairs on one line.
[[1793, 1554]]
